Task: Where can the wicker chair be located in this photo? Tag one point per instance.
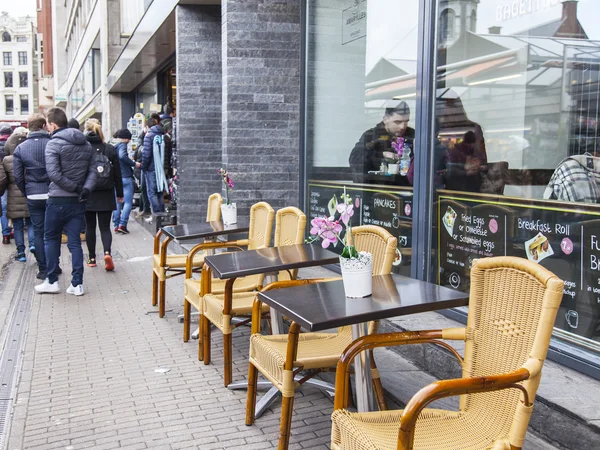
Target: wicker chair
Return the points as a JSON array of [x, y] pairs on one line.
[[168, 266], [279, 358], [259, 236], [219, 309], [512, 309]]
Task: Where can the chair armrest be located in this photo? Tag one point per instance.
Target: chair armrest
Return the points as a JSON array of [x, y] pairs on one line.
[[372, 341], [459, 386], [157, 236], [242, 242]]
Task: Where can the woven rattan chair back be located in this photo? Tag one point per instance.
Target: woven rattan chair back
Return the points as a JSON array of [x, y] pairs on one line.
[[290, 224], [512, 307], [213, 212], [261, 225], [380, 243]]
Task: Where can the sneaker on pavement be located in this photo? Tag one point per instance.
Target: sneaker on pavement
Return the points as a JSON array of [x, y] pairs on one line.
[[47, 288], [32, 250], [6, 239], [123, 230], [109, 265], [41, 275], [21, 257], [75, 290], [91, 262]]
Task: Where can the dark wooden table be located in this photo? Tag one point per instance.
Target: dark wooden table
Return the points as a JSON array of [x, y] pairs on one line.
[[318, 307], [204, 230], [201, 230]]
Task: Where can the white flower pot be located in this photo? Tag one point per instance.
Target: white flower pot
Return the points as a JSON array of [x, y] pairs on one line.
[[229, 214], [357, 275], [393, 168]]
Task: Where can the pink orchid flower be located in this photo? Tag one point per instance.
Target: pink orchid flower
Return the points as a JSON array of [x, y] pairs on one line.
[[346, 211]]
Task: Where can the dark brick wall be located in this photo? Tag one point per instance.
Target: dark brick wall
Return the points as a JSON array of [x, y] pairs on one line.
[[198, 36], [261, 100]]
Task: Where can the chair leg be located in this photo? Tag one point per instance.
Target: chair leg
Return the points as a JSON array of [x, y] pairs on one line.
[[154, 288], [251, 395], [187, 311], [377, 386], [161, 298], [285, 422], [200, 338], [227, 359], [206, 339]]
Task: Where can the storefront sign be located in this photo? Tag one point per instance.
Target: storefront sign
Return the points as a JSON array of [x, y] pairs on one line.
[[389, 209], [518, 8], [565, 241], [354, 22]]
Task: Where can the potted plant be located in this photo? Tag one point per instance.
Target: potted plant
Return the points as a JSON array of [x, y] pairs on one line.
[[228, 210], [394, 163], [357, 267]]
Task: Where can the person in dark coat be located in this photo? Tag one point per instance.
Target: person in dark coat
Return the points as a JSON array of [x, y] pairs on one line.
[[375, 144], [101, 202], [121, 215], [149, 166], [29, 167], [16, 208], [5, 132], [72, 177]]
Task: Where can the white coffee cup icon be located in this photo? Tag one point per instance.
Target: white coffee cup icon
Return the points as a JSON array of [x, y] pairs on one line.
[[572, 318]]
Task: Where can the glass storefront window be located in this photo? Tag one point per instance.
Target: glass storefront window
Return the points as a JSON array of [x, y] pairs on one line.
[[86, 83], [359, 128], [518, 145]]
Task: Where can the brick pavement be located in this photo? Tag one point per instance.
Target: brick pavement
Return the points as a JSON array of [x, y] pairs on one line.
[[88, 378]]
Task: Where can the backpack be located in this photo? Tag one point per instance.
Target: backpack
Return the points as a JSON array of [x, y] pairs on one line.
[[103, 167]]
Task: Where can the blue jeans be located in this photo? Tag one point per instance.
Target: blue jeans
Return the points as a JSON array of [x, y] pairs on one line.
[[157, 201], [121, 215], [18, 225], [70, 218], [4, 220], [37, 213]]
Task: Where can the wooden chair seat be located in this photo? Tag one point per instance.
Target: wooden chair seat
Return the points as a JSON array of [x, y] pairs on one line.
[[437, 430], [191, 287], [315, 351], [176, 262], [240, 306]]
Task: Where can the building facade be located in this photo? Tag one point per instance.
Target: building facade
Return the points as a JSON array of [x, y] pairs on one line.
[[299, 99], [19, 68]]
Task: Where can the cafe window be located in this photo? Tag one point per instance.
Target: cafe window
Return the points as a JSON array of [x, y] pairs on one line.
[[23, 79], [7, 58], [9, 105], [516, 145], [24, 104], [359, 133], [22, 58], [8, 79]]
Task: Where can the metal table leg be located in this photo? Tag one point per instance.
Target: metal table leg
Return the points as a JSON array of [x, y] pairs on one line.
[[276, 317], [364, 400]]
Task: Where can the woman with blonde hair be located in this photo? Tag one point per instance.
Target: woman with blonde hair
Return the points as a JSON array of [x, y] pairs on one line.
[[101, 201]]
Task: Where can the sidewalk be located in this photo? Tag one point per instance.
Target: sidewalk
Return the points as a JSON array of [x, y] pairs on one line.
[[88, 378]]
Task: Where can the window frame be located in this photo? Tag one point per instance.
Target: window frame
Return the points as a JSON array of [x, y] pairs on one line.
[[9, 111], [7, 56], [22, 56], [9, 79], [26, 85], [26, 97]]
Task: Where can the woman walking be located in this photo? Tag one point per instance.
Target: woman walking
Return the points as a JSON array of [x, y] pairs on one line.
[[101, 201], [121, 215]]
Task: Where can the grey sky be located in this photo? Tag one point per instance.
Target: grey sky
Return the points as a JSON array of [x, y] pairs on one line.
[[19, 8]]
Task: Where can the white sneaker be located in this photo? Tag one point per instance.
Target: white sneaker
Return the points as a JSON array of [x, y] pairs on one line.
[[75, 290], [47, 288]]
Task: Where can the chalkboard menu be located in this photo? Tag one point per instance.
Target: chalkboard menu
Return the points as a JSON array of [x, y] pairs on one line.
[[390, 209], [564, 240]]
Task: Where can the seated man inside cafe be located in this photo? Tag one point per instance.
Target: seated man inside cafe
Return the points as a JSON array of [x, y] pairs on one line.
[[375, 144]]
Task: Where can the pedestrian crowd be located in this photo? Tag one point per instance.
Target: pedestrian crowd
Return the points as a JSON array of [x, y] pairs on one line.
[[58, 182]]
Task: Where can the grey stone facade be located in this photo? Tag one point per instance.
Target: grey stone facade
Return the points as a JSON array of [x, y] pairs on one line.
[[261, 100], [198, 44]]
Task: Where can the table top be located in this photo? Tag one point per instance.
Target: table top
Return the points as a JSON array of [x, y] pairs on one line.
[[204, 229], [321, 306], [271, 259]]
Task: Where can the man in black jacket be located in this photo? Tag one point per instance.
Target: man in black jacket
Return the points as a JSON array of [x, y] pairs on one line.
[[152, 168], [69, 163], [376, 143], [29, 168]]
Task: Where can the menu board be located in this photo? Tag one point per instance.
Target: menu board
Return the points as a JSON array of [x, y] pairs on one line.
[[390, 209], [565, 241]]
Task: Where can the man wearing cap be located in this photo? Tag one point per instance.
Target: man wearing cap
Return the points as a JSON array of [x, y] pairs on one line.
[[121, 215], [5, 132]]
